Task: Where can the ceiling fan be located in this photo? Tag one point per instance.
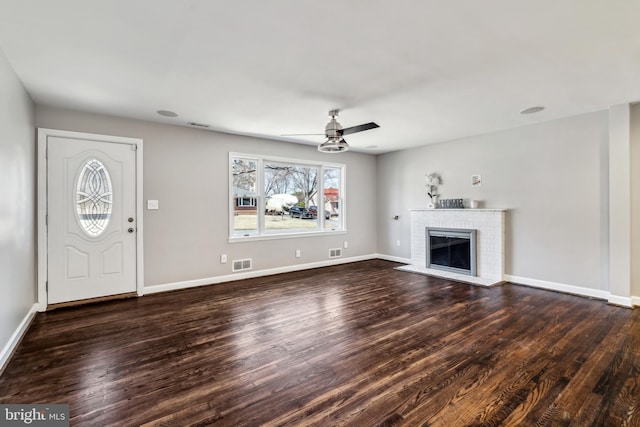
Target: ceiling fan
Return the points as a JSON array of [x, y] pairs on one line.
[[334, 132]]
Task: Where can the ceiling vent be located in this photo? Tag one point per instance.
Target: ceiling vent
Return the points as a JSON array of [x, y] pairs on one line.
[[198, 125]]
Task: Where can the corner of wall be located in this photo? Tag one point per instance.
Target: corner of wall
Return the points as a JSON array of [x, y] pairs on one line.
[[18, 205]]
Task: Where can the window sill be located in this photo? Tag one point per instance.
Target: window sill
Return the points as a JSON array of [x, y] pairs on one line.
[[293, 235]]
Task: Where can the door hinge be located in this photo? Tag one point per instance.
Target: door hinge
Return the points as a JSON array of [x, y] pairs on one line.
[[134, 147], [46, 284], [46, 220]]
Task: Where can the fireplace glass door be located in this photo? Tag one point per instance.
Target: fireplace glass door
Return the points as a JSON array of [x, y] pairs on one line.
[[451, 250]]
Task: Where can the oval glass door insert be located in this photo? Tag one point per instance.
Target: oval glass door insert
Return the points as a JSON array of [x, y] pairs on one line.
[[94, 198]]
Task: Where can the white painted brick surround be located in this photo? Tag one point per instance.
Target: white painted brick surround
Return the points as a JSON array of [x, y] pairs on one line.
[[489, 224]]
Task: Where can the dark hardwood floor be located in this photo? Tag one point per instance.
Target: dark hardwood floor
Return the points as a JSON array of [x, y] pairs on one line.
[[360, 344]]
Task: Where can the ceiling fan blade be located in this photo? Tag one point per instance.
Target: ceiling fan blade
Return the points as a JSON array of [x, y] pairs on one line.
[[359, 128], [301, 134]]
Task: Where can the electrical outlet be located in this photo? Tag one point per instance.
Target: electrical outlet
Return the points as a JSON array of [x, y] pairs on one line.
[[346, 244], [223, 259], [298, 253], [397, 242]]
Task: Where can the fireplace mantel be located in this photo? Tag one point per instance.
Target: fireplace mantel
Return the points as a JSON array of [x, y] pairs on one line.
[[490, 226], [448, 211]]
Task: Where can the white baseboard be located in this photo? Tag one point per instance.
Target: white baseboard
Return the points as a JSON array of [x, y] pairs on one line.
[[621, 301], [635, 301], [560, 287], [394, 258], [252, 274], [17, 335]]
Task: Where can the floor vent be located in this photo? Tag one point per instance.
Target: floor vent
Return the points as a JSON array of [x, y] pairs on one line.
[[242, 264], [335, 253]]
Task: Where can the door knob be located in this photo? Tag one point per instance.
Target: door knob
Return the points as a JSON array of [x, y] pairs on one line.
[[130, 219], [130, 230]]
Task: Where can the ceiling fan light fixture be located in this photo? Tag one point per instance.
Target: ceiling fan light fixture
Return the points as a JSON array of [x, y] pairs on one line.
[[333, 145]]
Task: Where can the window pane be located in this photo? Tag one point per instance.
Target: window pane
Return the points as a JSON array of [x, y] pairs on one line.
[[245, 197], [332, 198], [290, 190], [94, 198]]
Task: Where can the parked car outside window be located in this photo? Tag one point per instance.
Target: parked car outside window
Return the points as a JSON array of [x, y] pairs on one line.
[[314, 212], [298, 212]]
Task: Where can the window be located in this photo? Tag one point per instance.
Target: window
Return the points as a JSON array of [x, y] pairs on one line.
[[276, 197], [246, 201], [244, 194], [332, 196], [94, 198]]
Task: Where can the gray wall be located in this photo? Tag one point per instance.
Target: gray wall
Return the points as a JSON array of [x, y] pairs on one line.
[[635, 199], [17, 202], [187, 171], [553, 178]]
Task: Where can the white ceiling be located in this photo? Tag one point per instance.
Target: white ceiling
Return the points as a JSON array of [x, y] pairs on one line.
[[426, 71]]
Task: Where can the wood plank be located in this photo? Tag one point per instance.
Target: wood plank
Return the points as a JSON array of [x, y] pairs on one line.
[[359, 344]]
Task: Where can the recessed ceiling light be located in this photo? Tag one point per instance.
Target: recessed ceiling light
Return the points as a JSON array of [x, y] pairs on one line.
[[167, 113], [532, 110]]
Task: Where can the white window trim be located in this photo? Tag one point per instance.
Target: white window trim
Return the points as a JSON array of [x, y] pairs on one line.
[[262, 234]]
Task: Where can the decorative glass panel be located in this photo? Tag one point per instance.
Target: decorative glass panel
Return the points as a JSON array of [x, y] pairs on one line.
[[94, 198]]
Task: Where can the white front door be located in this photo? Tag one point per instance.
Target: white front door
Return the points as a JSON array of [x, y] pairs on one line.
[[91, 203]]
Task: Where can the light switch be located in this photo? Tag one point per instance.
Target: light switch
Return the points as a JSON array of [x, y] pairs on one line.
[[152, 204]]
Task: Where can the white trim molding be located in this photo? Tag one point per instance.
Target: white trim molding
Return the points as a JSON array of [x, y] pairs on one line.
[[559, 287], [621, 301], [251, 274], [620, 209], [394, 258], [635, 301], [16, 337]]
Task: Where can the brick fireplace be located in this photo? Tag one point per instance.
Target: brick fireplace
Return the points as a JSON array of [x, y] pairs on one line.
[[489, 227]]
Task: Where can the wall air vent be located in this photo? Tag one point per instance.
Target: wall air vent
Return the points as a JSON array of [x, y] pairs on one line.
[[335, 253], [198, 125], [241, 264]]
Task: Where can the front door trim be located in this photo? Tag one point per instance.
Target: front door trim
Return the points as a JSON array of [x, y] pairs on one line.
[[43, 135]]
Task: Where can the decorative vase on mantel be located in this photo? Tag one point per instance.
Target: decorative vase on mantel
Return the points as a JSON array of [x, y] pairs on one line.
[[432, 182]]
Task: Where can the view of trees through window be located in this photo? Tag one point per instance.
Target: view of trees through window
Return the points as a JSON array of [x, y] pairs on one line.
[[245, 195], [274, 197]]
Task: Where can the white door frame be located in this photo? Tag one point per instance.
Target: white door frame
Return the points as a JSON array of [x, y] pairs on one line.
[[43, 135]]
